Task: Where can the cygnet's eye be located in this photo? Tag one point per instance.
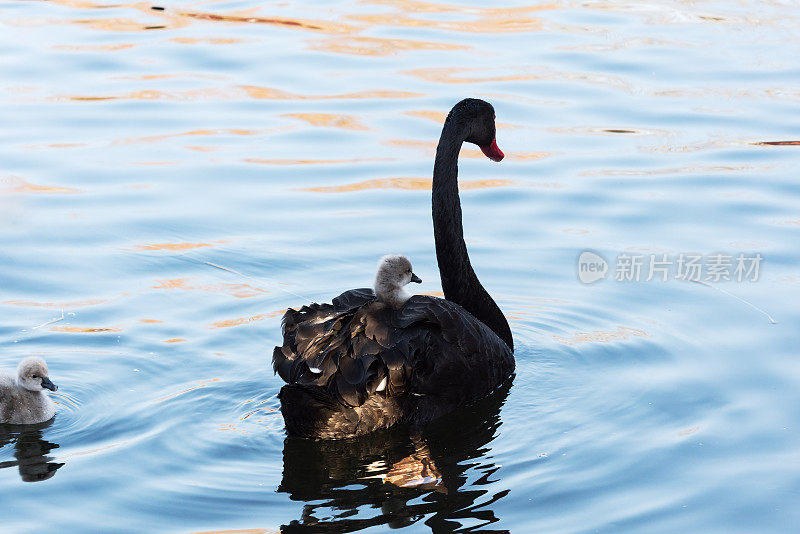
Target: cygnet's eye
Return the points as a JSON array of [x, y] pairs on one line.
[[34, 376], [408, 271]]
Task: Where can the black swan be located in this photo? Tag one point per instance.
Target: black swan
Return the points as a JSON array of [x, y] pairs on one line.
[[360, 363]]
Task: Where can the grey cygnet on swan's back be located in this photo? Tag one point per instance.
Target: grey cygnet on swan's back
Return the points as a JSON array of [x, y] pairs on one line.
[[22, 399], [394, 273]]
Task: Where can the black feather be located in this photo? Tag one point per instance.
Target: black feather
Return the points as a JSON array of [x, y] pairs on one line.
[[430, 347]]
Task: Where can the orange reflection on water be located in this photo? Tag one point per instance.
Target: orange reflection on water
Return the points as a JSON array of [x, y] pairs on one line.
[[167, 76], [154, 94], [80, 98], [375, 46], [484, 20], [176, 247], [289, 161], [251, 16], [84, 329], [235, 92], [14, 184], [329, 120], [55, 145], [456, 75], [58, 305], [175, 340], [247, 320], [207, 40], [267, 93], [778, 143], [429, 147], [526, 156], [408, 183], [95, 48], [436, 116], [417, 470], [453, 75], [622, 333], [262, 408], [85, 4], [171, 18], [162, 19], [125, 25], [241, 291], [228, 427], [163, 137]]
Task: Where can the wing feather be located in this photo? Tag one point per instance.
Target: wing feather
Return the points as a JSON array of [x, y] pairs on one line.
[[430, 346]]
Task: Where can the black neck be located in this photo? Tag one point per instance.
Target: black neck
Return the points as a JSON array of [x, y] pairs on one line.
[[459, 281]]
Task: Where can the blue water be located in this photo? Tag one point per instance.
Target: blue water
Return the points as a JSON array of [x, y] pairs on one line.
[[171, 181]]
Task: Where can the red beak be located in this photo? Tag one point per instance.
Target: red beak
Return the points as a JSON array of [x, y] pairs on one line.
[[493, 152]]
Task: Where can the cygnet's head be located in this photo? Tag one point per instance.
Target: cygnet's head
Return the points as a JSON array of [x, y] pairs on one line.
[[394, 273], [32, 375]]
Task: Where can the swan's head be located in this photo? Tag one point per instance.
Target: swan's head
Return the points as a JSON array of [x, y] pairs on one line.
[[477, 118], [394, 273], [32, 375]]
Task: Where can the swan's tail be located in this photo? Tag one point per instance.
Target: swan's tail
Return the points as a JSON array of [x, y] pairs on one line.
[[311, 412], [308, 410]]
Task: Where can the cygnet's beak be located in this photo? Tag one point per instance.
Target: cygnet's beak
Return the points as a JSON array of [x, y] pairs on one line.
[[415, 278], [49, 385]]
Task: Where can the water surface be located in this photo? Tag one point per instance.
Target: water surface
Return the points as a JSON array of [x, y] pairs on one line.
[[172, 180]]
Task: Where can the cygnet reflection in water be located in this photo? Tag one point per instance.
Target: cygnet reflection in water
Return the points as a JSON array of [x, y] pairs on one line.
[[30, 451], [371, 480]]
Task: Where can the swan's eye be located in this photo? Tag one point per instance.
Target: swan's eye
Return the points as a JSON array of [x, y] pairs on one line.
[[34, 376]]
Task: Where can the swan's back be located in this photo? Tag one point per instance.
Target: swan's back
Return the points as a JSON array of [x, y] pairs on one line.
[[356, 365]]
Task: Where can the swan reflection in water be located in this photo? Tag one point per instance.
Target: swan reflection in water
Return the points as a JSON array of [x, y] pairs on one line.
[[30, 451], [396, 477]]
